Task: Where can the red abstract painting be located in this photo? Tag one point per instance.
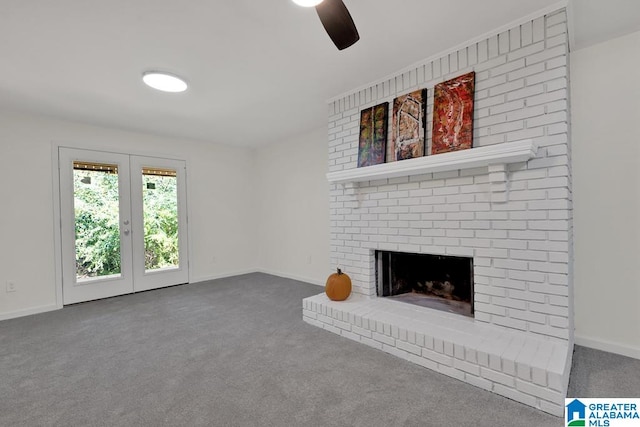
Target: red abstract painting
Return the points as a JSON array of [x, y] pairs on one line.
[[453, 114]]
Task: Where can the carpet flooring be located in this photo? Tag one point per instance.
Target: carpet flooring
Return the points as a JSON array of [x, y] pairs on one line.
[[235, 352]]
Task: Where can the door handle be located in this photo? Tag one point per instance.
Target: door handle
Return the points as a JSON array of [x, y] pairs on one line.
[[126, 231]]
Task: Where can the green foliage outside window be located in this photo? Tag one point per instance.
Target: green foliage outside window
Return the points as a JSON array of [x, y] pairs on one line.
[[160, 222], [97, 223]]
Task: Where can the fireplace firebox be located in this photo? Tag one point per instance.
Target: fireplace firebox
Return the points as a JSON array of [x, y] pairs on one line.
[[435, 281]]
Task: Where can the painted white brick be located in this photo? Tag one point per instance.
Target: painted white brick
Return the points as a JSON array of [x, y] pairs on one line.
[[451, 372], [558, 193], [478, 382], [514, 64], [560, 61], [556, 84], [509, 303], [520, 246], [383, 339], [510, 322], [556, 18], [548, 204], [491, 309], [559, 322], [526, 51], [549, 289], [556, 409], [541, 392], [506, 87], [525, 134], [554, 31], [528, 315], [526, 92], [492, 46], [437, 357], [547, 76], [528, 276], [546, 98], [546, 119], [489, 102], [510, 244], [526, 33], [507, 127], [548, 225], [503, 42], [538, 29], [514, 38], [470, 368], [526, 113], [514, 394]]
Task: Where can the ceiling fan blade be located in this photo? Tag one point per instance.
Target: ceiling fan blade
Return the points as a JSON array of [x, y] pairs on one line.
[[337, 20]]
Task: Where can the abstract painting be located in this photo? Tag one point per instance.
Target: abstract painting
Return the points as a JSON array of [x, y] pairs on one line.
[[372, 144], [453, 114], [408, 129]]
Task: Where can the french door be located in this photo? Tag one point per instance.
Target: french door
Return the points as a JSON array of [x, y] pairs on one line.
[[123, 223]]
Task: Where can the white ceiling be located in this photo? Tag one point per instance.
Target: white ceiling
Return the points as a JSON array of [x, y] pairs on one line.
[[259, 71]]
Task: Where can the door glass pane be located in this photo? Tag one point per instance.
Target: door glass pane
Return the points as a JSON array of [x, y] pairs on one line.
[[97, 220], [160, 210]]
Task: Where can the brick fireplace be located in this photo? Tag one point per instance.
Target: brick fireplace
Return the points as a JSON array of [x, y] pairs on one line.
[[505, 204]]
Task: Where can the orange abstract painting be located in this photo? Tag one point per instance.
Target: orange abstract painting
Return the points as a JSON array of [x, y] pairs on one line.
[[453, 114]]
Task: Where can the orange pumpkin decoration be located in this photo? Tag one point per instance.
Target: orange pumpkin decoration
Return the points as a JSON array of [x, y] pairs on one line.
[[338, 287]]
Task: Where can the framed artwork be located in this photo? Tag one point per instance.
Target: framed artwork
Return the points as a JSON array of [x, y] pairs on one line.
[[372, 144], [453, 114], [408, 127]]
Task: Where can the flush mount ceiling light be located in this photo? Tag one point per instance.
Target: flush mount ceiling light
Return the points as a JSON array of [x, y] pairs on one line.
[[165, 82], [307, 3]]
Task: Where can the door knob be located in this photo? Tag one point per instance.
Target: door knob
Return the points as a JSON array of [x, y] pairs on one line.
[[126, 231]]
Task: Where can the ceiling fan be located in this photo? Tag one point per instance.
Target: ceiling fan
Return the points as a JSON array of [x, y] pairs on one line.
[[336, 19]]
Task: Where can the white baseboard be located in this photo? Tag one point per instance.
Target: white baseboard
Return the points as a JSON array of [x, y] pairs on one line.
[[293, 277], [29, 311], [611, 347], [222, 276]]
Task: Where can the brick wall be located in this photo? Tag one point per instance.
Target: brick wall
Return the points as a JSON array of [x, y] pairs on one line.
[[522, 247]]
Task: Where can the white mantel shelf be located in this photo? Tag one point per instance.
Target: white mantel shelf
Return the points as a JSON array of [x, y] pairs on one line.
[[492, 155]]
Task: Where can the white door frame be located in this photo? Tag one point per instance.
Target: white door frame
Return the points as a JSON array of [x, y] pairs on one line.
[[75, 290], [57, 220], [143, 279]]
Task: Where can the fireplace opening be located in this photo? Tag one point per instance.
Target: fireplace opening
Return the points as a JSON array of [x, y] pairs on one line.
[[435, 281]]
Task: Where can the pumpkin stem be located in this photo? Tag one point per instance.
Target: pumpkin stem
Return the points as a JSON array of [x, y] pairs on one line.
[[339, 271]]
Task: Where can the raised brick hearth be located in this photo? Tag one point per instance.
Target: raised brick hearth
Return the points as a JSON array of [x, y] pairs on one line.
[[514, 220]]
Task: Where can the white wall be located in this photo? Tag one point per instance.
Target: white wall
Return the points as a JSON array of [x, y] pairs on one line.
[[292, 207], [606, 171], [219, 196]]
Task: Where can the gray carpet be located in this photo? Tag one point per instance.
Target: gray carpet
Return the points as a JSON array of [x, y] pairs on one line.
[[235, 352]]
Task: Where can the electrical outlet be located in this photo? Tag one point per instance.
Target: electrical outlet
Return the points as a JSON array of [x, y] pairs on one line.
[[213, 260], [308, 259], [11, 286]]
